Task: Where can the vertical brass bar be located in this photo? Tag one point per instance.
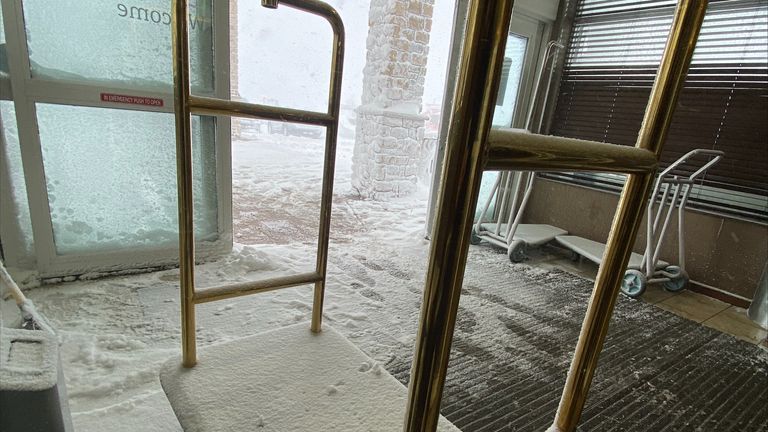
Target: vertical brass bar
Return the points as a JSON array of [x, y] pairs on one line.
[[326, 199], [470, 122], [181, 95], [658, 116]]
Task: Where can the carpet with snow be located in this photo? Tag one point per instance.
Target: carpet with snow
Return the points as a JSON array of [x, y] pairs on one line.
[[516, 331]]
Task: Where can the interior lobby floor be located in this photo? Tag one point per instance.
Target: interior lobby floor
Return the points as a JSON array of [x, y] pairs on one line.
[[693, 306]]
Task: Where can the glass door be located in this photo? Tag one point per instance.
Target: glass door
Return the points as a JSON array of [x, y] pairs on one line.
[[91, 84], [520, 61], [514, 97]]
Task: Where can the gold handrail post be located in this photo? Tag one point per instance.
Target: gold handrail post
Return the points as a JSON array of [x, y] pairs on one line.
[[470, 122], [181, 95], [681, 42], [329, 164]]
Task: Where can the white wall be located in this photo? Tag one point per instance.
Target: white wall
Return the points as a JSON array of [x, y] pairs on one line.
[[542, 9]]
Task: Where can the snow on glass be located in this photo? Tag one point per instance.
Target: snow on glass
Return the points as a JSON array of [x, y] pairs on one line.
[[111, 177], [122, 42]]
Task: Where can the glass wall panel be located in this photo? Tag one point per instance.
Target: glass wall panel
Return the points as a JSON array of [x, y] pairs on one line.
[[506, 101], [17, 190], [122, 42], [2, 29], [111, 178], [512, 72]]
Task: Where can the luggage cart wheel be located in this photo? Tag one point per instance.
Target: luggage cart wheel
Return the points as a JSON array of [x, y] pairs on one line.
[[633, 284], [678, 279], [474, 239], [516, 251]]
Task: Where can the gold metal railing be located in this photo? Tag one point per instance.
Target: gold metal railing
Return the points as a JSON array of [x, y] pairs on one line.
[[471, 147], [185, 105]]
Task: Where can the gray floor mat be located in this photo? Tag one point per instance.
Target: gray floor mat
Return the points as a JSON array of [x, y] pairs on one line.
[[516, 331]]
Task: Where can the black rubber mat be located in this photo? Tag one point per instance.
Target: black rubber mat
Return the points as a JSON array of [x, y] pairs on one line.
[[515, 335]]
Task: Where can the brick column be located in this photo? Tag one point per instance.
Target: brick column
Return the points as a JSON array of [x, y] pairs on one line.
[[387, 153]]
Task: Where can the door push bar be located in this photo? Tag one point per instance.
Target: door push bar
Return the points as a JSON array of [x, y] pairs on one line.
[[186, 104]]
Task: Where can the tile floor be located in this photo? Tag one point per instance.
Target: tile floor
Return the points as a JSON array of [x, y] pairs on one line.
[[696, 307]]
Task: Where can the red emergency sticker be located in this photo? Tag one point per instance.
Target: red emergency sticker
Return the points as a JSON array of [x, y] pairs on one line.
[[133, 100]]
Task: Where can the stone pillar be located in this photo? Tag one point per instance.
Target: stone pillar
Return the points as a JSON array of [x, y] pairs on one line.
[[387, 153], [234, 88]]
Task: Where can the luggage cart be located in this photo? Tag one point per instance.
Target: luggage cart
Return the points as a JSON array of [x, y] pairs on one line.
[[512, 235], [649, 268]]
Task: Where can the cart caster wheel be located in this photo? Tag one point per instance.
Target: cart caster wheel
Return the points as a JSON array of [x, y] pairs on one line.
[[474, 239], [678, 279], [633, 284], [516, 251]]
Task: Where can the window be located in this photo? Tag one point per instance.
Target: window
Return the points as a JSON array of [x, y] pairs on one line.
[[125, 42], [513, 98], [611, 62], [95, 146], [511, 75]]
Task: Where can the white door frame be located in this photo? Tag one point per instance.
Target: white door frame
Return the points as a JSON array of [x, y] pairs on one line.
[[27, 91], [533, 30]]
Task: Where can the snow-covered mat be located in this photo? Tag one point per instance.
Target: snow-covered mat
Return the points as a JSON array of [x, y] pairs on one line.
[[531, 234], [286, 380], [594, 251]]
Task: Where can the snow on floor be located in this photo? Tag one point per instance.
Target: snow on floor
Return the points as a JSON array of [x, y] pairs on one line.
[[117, 331]]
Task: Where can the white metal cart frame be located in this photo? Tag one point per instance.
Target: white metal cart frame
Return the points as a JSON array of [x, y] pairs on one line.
[[673, 277], [512, 235], [650, 268]]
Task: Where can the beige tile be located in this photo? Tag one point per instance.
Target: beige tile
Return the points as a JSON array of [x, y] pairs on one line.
[[734, 321], [547, 265], [654, 293], [585, 269], [693, 306]]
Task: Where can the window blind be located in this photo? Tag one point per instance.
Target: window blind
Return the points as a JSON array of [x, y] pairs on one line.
[[610, 65]]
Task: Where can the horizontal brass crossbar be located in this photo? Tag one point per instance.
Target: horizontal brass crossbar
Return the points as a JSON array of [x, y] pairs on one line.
[[246, 288], [517, 149], [212, 106]]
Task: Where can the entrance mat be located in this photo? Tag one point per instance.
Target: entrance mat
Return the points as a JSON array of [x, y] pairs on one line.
[[515, 335]]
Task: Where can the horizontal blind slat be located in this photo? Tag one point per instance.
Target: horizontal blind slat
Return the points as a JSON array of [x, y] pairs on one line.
[[610, 66]]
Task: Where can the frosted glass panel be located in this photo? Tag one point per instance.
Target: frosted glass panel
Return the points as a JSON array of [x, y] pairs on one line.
[[486, 187], [111, 178], [15, 177], [114, 41], [2, 28], [514, 57], [4, 89]]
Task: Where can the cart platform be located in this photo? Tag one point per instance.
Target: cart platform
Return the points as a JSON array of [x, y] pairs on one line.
[[531, 234], [593, 251], [288, 380]]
